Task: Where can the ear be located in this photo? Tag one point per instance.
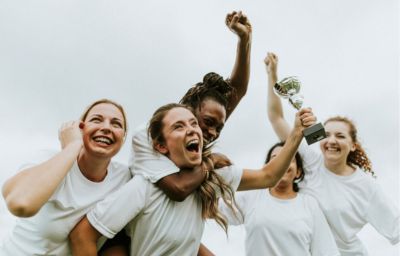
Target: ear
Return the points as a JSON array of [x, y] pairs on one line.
[[81, 125], [353, 147], [298, 172], [161, 148]]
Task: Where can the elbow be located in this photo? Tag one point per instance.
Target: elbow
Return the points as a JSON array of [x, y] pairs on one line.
[[20, 207]]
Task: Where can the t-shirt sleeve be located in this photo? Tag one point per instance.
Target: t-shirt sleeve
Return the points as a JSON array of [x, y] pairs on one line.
[[384, 216], [113, 213], [232, 175], [146, 161], [322, 242], [310, 156]]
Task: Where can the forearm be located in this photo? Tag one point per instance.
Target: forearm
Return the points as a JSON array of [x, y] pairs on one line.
[[29, 190], [280, 163], [179, 185], [272, 172], [241, 72], [83, 239]]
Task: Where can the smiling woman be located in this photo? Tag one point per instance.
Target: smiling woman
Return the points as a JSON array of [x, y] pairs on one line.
[[54, 191]]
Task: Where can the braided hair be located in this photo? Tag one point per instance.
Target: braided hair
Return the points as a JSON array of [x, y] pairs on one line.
[[213, 87]]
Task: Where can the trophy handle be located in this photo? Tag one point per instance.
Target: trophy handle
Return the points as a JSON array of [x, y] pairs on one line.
[[296, 100]]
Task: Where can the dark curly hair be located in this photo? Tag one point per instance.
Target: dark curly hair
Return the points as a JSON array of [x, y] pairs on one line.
[[213, 87]]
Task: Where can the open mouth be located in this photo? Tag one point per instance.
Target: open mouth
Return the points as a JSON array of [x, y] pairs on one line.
[[103, 140], [193, 146]]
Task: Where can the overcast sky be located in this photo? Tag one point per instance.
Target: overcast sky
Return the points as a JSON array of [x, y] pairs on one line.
[[56, 57]]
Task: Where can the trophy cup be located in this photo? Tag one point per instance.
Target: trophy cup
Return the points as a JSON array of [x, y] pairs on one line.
[[289, 88]]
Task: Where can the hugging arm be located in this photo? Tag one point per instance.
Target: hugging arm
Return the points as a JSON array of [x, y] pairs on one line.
[[178, 186]]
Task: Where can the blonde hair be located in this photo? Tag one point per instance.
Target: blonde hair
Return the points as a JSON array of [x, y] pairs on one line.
[[213, 186], [105, 101]]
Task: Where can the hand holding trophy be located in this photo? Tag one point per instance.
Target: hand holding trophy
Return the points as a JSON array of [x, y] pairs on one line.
[[289, 88]]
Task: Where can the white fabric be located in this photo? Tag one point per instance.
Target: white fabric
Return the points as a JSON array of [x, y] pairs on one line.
[[46, 233], [157, 225], [349, 202], [282, 227], [146, 161]]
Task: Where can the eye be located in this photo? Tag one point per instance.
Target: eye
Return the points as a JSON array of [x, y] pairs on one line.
[[195, 123], [117, 124], [95, 120], [177, 126], [208, 122]]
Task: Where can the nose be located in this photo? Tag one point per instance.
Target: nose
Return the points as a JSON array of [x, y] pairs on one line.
[[331, 139], [213, 133], [106, 127]]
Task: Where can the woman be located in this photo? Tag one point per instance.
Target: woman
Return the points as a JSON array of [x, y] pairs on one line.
[[281, 221], [339, 177], [158, 225], [52, 193]]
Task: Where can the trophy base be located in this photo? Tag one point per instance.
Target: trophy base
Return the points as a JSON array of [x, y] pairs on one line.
[[314, 133]]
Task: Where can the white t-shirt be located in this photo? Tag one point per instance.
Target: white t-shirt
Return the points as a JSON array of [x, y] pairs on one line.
[[282, 227], [349, 202], [157, 225], [145, 160], [47, 232]]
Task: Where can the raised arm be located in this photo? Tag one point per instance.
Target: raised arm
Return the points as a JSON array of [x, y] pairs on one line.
[[274, 105], [272, 172], [26, 192], [238, 23]]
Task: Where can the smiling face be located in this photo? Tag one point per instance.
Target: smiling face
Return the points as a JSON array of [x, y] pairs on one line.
[[338, 143], [291, 173], [103, 130], [211, 116], [182, 138]]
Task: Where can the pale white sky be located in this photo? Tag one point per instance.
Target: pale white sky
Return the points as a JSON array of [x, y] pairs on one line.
[[58, 56]]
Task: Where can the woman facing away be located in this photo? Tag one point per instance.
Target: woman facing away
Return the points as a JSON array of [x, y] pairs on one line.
[[159, 225], [339, 177], [53, 192], [280, 221]]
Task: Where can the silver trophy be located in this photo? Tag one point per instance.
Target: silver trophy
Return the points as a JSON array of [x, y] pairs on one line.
[[289, 88]]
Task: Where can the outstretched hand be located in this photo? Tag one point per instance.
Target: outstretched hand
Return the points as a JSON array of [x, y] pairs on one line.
[[69, 132], [238, 23]]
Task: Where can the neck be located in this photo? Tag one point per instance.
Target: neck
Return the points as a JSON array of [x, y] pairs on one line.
[[286, 192], [339, 168], [93, 168]]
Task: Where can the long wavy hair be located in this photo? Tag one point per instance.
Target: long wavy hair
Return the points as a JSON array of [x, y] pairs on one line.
[[357, 157], [213, 186]]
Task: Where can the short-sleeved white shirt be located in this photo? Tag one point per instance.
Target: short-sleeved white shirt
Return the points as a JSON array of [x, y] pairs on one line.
[[282, 227], [146, 161], [47, 232], [348, 203], [157, 225]]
